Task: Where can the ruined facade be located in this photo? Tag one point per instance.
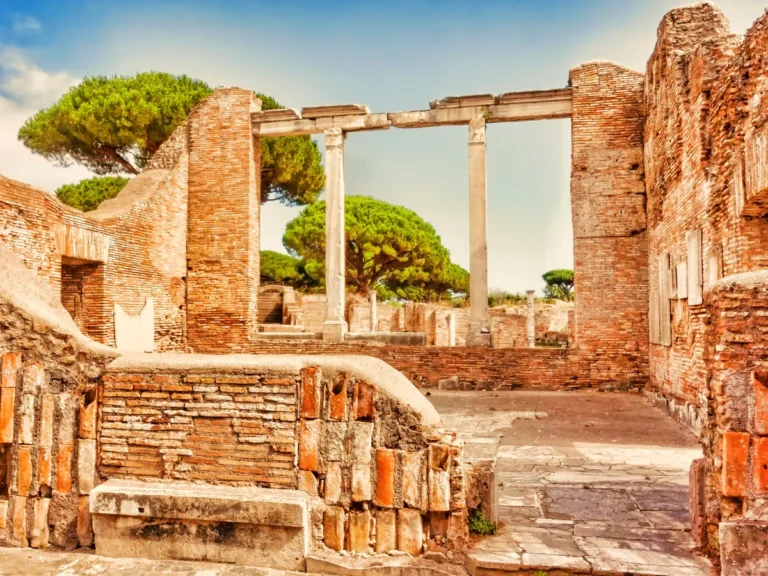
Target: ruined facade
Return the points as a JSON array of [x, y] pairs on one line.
[[669, 209]]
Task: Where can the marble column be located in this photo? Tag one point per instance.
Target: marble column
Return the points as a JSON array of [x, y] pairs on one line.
[[374, 313], [451, 317], [479, 325], [335, 325], [530, 322]]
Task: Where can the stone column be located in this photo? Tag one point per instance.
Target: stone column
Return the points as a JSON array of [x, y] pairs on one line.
[[479, 325], [451, 317], [374, 314], [335, 326], [530, 323]]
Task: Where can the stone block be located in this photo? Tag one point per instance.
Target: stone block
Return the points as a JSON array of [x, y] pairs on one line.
[[760, 387], [458, 529], [86, 465], [308, 482], [359, 531], [697, 477], [24, 470], [337, 397], [361, 434], [386, 531], [40, 534], [309, 444], [310, 392], [34, 377], [19, 521], [68, 408], [334, 433], [46, 420], [84, 526], [413, 463], [27, 415], [361, 482], [88, 416], [439, 478], [9, 369], [735, 455], [743, 548], [333, 528], [410, 534], [385, 478], [364, 401], [263, 527], [7, 411], [760, 465], [333, 483], [3, 513], [64, 468], [44, 466]]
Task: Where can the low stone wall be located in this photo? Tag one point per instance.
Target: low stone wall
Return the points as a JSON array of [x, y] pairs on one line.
[[351, 432]]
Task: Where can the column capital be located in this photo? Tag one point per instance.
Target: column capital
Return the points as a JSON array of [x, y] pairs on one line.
[[477, 130], [333, 137]]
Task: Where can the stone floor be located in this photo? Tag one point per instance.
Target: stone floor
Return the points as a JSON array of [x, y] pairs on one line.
[[587, 482]]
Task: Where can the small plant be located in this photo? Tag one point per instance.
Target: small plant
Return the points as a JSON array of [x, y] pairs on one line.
[[540, 573], [479, 524]]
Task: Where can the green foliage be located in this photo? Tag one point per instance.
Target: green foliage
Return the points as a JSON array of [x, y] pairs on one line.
[[291, 168], [502, 298], [385, 245], [559, 284], [479, 524], [113, 125], [87, 194], [420, 285], [283, 269]]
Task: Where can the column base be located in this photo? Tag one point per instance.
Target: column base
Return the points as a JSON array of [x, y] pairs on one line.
[[479, 339], [334, 330]]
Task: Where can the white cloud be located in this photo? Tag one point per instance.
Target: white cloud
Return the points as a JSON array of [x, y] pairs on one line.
[[24, 89], [22, 24]]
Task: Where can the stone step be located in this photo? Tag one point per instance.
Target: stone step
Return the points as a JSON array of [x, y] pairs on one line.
[[181, 521]]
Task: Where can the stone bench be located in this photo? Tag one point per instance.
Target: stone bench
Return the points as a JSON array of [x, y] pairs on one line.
[[249, 526]]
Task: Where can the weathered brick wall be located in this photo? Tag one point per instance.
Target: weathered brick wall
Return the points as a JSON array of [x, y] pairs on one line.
[[366, 451], [223, 212], [608, 210]]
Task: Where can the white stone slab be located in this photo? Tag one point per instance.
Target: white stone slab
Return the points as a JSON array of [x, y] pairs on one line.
[[135, 333]]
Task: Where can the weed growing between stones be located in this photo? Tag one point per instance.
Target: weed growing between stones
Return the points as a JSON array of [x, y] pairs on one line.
[[480, 525]]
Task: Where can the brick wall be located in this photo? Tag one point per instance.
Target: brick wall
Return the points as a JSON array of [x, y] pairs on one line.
[[223, 212], [608, 210]]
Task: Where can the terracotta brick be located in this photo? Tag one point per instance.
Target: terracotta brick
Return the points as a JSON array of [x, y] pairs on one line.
[[333, 483], [735, 455], [46, 420], [361, 482], [7, 410], [760, 387], [413, 481], [11, 363], [385, 478], [410, 534], [359, 531], [333, 528], [309, 437], [44, 466], [64, 468], [84, 526], [19, 521], [760, 463], [310, 392], [364, 401], [337, 397], [88, 418], [24, 471], [386, 531]]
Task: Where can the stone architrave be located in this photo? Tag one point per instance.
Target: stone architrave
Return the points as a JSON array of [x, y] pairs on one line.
[[335, 326], [479, 324], [530, 321]]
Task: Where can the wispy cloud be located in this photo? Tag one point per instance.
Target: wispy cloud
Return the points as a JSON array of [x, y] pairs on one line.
[[24, 24], [27, 84]]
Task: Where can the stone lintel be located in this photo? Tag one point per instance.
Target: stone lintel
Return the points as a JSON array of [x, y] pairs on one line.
[[440, 117], [80, 244], [534, 96], [520, 111], [349, 123], [279, 115], [459, 101], [335, 110]]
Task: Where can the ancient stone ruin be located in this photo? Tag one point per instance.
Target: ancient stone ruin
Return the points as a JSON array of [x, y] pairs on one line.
[[145, 411]]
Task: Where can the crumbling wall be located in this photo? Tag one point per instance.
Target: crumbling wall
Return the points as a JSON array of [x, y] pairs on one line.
[[350, 431]]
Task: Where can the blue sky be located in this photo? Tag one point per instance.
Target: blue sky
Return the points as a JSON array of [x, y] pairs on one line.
[[393, 55]]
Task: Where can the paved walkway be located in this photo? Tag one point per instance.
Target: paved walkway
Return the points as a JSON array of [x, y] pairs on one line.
[[587, 482]]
